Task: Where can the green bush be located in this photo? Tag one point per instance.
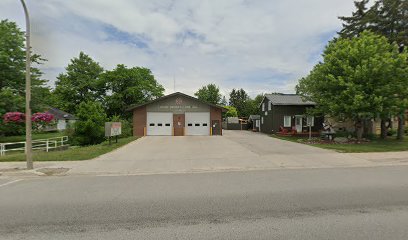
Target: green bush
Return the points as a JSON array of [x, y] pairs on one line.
[[126, 126], [345, 134], [11, 129], [391, 132], [90, 126]]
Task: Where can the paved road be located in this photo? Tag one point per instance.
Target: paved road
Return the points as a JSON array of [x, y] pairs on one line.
[[349, 203]]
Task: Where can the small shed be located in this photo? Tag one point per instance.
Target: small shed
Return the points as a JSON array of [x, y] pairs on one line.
[[62, 118], [254, 122]]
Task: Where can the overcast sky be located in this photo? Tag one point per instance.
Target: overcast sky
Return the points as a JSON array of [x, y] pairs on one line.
[[259, 45]]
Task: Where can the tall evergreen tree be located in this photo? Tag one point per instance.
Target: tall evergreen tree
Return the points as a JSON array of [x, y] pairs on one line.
[[358, 21]]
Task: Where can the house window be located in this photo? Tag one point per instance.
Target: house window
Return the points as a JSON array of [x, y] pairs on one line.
[[310, 121], [270, 106], [262, 120], [287, 121], [266, 113], [263, 106]]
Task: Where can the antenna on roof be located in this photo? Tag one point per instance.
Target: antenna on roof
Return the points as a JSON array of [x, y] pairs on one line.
[[174, 82]]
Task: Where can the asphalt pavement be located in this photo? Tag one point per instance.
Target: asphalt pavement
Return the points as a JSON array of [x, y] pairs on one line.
[[342, 203]]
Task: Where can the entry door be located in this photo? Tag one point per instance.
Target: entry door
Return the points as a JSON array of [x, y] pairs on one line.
[[159, 123], [197, 123], [216, 127], [178, 123], [299, 124]]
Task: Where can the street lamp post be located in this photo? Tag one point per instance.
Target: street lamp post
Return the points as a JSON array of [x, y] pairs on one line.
[[28, 145]]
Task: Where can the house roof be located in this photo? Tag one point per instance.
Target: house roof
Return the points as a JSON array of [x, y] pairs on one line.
[[172, 95], [287, 99], [254, 117], [61, 115]]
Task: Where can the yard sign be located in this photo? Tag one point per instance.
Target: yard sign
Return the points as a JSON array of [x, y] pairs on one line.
[[113, 129]]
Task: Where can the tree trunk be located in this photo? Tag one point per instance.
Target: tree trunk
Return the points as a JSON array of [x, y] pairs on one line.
[[383, 129], [401, 127], [359, 129]]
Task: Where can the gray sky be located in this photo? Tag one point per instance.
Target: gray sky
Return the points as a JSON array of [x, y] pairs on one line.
[[259, 45]]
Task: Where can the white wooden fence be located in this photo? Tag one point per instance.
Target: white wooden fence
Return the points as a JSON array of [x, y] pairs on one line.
[[39, 144]]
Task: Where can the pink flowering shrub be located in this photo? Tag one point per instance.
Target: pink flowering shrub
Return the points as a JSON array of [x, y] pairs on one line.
[[14, 117], [42, 117], [12, 123], [42, 120]]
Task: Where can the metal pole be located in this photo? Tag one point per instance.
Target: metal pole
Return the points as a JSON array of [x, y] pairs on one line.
[[29, 157]]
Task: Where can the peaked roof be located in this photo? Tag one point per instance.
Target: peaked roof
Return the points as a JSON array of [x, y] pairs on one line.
[[172, 95], [287, 99], [254, 117], [59, 114]]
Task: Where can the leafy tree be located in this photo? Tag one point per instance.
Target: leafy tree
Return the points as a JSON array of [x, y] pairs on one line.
[[90, 126], [12, 56], [239, 99], [358, 78], [231, 112], [12, 70], [129, 86], [210, 93], [254, 104], [388, 18], [11, 101], [79, 84]]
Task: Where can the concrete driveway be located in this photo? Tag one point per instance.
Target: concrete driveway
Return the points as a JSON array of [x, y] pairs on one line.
[[236, 150]]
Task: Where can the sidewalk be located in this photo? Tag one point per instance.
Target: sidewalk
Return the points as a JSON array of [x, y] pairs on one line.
[[101, 166]]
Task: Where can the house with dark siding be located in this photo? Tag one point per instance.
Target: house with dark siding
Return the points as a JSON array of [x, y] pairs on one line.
[[289, 112]]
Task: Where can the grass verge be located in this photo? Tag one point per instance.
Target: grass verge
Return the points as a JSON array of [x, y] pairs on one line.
[[72, 154], [378, 145], [35, 136]]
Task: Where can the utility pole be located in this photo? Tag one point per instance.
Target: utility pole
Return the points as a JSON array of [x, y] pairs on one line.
[[28, 144]]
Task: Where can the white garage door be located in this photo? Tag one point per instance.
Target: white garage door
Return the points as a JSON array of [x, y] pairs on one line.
[[197, 123], [159, 124]]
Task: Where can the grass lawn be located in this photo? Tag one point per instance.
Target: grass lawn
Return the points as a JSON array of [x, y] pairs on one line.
[[378, 145], [74, 153], [34, 136]]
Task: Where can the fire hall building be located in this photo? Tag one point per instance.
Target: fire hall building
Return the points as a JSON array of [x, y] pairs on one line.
[[177, 114]]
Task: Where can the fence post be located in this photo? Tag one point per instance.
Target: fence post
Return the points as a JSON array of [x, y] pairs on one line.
[[1, 149], [46, 145], [62, 141]]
